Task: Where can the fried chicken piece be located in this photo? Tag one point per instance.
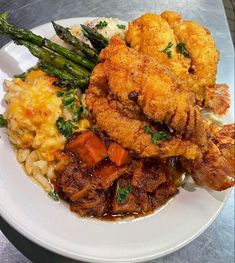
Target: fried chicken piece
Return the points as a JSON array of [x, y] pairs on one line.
[[201, 46], [151, 34], [216, 169], [160, 94], [129, 132]]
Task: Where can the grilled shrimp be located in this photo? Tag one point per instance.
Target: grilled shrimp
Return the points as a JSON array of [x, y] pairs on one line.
[[217, 98], [216, 168]]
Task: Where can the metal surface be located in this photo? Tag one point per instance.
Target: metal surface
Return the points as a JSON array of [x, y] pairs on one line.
[[216, 244]]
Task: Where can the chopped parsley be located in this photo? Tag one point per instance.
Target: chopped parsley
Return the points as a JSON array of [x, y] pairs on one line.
[[3, 121], [71, 100], [167, 50], [122, 193], [182, 49], [54, 196], [157, 136], [101, 24], [120, 26], [65, 127], [79, 112]]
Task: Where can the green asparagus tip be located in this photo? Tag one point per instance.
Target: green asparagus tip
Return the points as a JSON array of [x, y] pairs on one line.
[[4, 15]]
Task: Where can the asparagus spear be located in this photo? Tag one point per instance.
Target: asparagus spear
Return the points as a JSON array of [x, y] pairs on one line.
[[65, 35], [77, 58], [54, 59], [68, 84], [17, 33], [66, 79], [97, 40]]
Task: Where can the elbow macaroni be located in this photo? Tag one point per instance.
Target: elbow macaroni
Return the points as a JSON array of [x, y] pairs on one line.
[[33, 108]]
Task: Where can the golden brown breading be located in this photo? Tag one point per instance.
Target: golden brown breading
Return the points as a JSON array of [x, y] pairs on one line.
[[129, 132], [160, 94], [203, 53], [151, 34]]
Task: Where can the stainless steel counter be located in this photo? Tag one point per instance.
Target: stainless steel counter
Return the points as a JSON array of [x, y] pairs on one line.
[[216, 244]]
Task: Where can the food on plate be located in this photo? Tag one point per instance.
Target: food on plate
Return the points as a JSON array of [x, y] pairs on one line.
[[107, 27], [111, 128], [216, 168], [159, 94], [128, 129], [217, 98], [190, 47], [199, 43], [152, 35], [33, 109]]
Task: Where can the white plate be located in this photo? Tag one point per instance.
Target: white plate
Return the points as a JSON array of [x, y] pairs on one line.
[[26, 207]]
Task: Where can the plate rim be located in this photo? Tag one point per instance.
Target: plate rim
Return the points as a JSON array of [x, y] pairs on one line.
[[85, 258]]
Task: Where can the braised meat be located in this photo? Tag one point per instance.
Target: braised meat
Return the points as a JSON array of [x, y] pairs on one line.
[[109, 190], [148, 175]]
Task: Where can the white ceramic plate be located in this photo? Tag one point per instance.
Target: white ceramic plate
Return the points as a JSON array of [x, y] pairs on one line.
[[26, 207]]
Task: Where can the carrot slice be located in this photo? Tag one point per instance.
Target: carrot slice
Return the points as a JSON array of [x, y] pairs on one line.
[[89, 147], [118, 155], [109, 173]]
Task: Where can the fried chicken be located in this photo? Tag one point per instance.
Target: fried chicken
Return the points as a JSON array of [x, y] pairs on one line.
[[199, 42], [159, 93], [129, 132], [147, 85], [151, 33]]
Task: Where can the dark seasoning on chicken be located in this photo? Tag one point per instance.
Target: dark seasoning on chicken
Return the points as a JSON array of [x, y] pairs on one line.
[[144, 97]]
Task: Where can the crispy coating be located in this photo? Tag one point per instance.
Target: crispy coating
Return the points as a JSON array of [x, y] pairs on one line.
[[129, 132], [160, 94], [151, 34], [203, 52]]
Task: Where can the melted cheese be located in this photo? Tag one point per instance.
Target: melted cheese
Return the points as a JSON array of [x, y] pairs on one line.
[[33, 108]]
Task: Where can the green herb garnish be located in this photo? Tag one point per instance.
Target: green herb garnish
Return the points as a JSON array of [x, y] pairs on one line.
[[71, 100], [79, 112], [3, 121], [122, 193], [120, 26], [182, 49], [157, 136], [65, 127], [167, 50], [101, 24], [54, 196]]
